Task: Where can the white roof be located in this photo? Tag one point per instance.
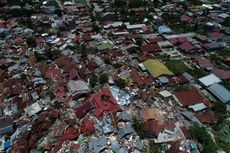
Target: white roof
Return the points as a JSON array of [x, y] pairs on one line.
[[165, 93], [135, 26], [141, 65], [209, 80], [198, 107], [33, 109], [78, 86]]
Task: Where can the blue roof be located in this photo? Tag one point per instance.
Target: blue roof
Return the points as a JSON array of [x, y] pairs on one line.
[[7, 144], [220, 92], [164, 29]]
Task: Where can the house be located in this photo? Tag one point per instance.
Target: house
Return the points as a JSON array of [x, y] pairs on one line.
[[213, 46], [209, 80], [104, 103], [187, 97], [6, 126], [187, 47], [216, 36], [165, 94], [203, 62], [103, 46], [78, 87], [220, 92], [82, 110], [222, 74], [164, 29], [156, 68], [150, 48]]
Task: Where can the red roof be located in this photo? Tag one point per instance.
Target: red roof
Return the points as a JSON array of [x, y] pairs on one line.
[[207, 117], [178, 40], [153, 128], [155, 40], [104, 103], [203, 62], [187, 47], [185, 18], [87, 126], [223, 74], [177, 80], [81, 111], [217, 35], [186, 132], [136, 77], [189, 97], [150, 48], [70, 134]]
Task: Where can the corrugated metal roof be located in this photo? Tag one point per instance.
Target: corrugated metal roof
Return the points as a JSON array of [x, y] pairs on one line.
[[209, 80], [220, 92]]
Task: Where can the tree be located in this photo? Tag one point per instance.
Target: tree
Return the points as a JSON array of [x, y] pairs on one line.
[[132, 50], [57, 105], [119, 3], [96, 28], [58, 11], [138, 126], [136, 3], [203, 137], [93, 80], [38, 56], [103, 78], [120, 83], [220, 109], [153, 147], [226, 22], [31, 41], [139, 42]]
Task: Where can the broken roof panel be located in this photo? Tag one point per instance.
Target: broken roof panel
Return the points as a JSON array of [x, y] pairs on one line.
[[97, 145]]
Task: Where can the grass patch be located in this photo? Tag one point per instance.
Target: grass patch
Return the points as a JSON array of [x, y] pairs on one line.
[[177, 67]]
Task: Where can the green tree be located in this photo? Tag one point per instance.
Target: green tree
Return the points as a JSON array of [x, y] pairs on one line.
[[96, 28], [136, 3], [226, 22], [31, 41], [139, 42], [103, 78], [203, 137], [119, 3], [132, 50], [120, 83], [138, 126], [58, 11], [93, 80], [220, 109]]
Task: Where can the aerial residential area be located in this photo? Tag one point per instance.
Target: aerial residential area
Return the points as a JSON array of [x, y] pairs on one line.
[[114, 76]]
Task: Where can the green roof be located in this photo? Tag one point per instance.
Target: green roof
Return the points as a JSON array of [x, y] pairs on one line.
[[156, 68], [103, 46]]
